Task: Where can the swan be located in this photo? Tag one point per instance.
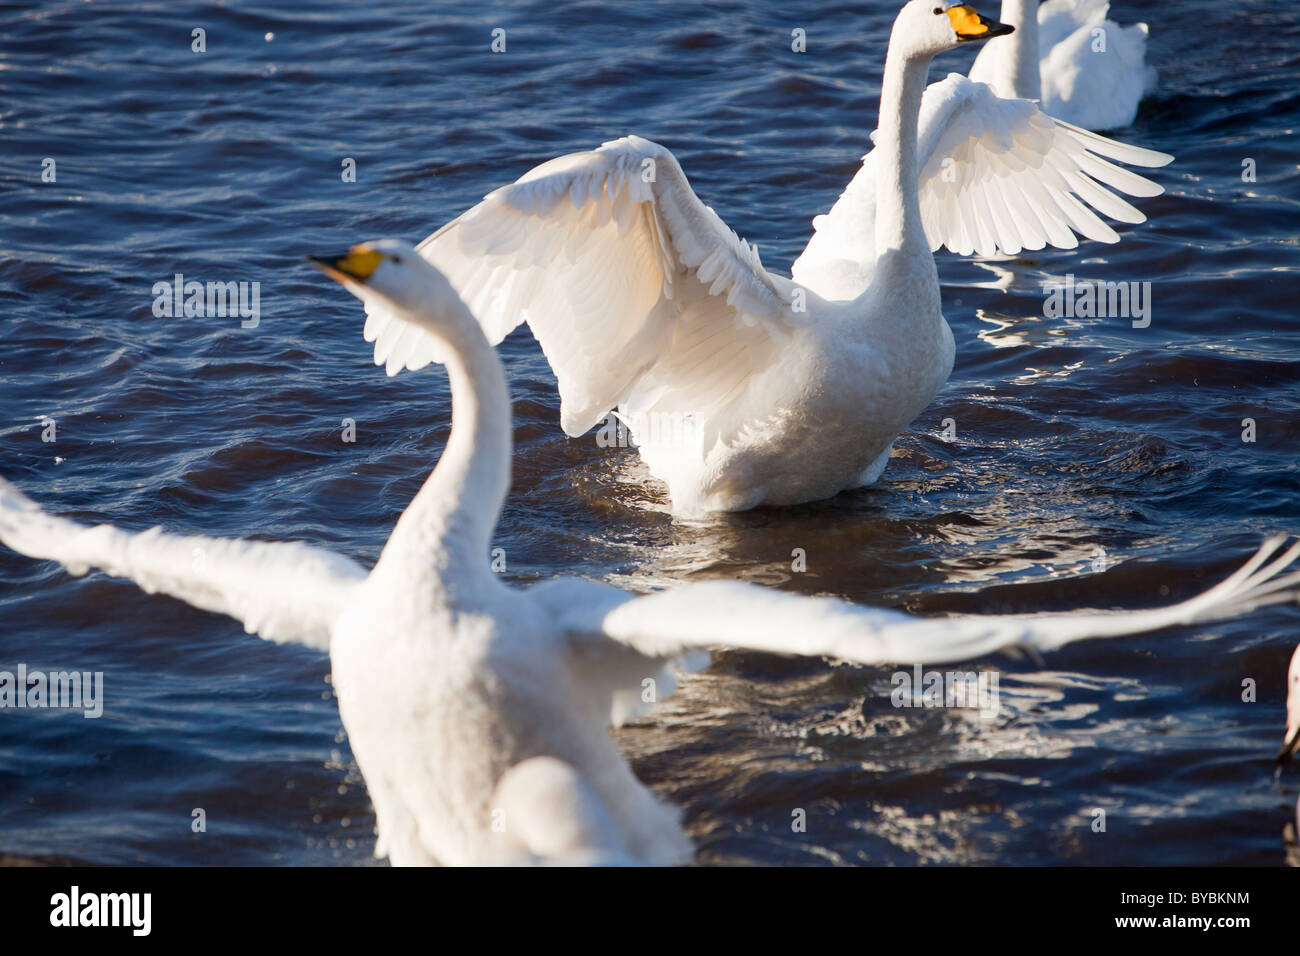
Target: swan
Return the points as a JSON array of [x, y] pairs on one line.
[[478, 713], [1085, 69], [744, 388]]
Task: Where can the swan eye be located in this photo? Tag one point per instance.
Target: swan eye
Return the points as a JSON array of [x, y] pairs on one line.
[[397, 259], [938, 10]]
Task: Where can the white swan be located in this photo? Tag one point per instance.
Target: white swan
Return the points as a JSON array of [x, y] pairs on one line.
[[478, 713], [741, 387], [1084, 68]]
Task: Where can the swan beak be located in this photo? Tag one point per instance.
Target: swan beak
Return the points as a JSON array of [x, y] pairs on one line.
[[358, 265], [973, 26]]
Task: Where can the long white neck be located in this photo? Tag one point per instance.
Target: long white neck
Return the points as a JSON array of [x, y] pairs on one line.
[[1020, 72], [877, 219], [898, 224], [449, 524]]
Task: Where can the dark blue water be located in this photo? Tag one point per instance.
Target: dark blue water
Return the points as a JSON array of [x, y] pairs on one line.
[[1072, 434]]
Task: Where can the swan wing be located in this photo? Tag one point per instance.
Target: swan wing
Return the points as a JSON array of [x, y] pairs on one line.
[[839, 261], [995, 175], [615, 671], [1001, 175], [626, 279], [282, 592], [750, 617]]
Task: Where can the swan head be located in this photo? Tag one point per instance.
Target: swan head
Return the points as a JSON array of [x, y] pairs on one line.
[[925, 28], [1291, 742], [393, 271]]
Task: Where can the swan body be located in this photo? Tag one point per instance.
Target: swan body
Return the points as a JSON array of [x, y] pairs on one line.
[[1084, 68], [478, 713], [742, 387]]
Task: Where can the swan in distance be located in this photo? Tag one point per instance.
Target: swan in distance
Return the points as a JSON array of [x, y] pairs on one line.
[[741, 387], [478, 713], [1084, 68]]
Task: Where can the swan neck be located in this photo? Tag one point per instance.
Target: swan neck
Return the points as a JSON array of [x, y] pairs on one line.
[[451, 520], [1021, 49], [898, 207]]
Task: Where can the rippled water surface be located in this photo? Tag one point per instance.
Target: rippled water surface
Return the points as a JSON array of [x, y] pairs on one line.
[[1073, 435]]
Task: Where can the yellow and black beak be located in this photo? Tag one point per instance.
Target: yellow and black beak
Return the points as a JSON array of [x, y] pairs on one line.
[[358, 265], [972, 26]]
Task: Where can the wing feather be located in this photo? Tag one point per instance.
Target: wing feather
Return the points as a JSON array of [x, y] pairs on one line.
[[996, 175], [737, 615], [289, 592], [613, 261], [1004, 148]]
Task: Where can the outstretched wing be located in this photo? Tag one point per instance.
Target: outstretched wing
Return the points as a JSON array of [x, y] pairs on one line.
[[627, 280], [1000, 174], [282, 592], [995, 175], [733, 614]]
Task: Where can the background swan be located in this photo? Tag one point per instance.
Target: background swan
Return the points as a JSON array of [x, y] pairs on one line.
[[742, 387], [1085, 69], [471, 704]]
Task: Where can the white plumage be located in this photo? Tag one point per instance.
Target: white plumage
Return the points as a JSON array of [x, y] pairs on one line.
[[477, 713], [1085, 69], [742, 387], [997, 175]]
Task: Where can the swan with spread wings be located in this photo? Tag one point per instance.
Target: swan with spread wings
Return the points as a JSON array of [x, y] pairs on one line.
[[742, 387], [478, 713]]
